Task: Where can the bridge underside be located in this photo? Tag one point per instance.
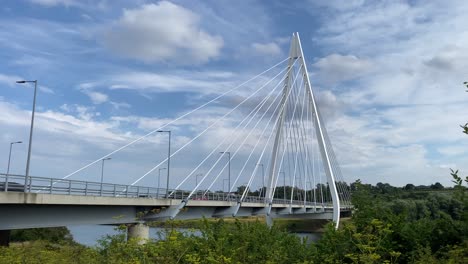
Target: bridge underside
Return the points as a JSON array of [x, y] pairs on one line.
[[32, 210]]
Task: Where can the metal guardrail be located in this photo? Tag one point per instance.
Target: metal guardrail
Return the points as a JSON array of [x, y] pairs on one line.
[[15, 183]]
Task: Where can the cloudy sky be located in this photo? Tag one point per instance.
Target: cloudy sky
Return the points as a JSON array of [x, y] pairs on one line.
[[388, 76]]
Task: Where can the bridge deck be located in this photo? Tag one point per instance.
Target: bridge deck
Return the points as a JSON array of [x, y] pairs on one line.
[[51, 202]]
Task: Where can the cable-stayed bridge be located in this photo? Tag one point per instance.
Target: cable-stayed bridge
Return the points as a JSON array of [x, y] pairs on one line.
[[269, 150]]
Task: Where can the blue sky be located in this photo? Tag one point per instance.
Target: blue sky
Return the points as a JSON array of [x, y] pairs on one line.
[[388, 76]]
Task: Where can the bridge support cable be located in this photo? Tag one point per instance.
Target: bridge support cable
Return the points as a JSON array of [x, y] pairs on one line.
[[244, 194], [318, 166], [247, 137], [307, 141], [310, 150], [346, 197], [256, 110], [243, 142], [285, 98], [176, 119], [279, 132], [299, 150], [236, 137], [275, 176], [320, 137], [299, 137], [341, 184], [307, 125], [245, 164], [208, 128], [288, 138], [254, 172], [274, 180], [174, 211]]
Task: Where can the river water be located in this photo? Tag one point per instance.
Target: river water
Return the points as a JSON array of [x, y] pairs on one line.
[[90, 234]]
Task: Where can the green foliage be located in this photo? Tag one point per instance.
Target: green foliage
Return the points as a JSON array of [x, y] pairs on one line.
[[53, 234], [414, 224], [39, 252], [411, 227], [218, 242]]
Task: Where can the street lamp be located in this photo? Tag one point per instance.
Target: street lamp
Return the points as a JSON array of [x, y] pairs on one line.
[[102, 171], [224, 180], [159, 180], [8, 168], [229, 169], [168, 160], [263, 178], [26, 178]]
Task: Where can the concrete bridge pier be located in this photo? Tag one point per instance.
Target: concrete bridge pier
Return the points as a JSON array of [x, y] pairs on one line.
[[139, 231]]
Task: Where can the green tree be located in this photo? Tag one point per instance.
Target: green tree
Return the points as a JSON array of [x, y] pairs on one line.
[[437, 186], [51, 234]]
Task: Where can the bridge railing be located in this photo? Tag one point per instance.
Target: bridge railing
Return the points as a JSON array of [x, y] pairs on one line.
[[15, 183]]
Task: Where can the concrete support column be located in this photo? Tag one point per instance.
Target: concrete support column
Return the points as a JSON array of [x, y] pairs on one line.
[[139, 231], [4, 238]]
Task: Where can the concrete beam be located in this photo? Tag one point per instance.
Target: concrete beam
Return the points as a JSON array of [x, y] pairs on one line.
[[44, 198], [34, 216]]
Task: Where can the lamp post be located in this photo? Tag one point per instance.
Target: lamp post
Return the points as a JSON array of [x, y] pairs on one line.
[[159, 180], [8, 168], [229, 169], [102, 171], [26, 177], [224, 180], [168, 160]]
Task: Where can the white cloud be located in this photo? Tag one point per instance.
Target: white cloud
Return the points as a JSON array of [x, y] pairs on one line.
[[401, 109], [57, 122], [161, 32], [198, 82], [120, 105], [454, 150], [451, 58], [337, 4], [9, 80], [97, 97], [46, 89], [88, 89], [50, 3], [336, 68], [267, 49]]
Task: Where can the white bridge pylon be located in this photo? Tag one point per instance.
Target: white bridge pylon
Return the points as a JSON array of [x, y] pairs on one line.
[[296, 55], [274, 150]]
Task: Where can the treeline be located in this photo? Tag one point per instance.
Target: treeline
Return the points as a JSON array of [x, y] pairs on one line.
[[389, 225], [319, 193]]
